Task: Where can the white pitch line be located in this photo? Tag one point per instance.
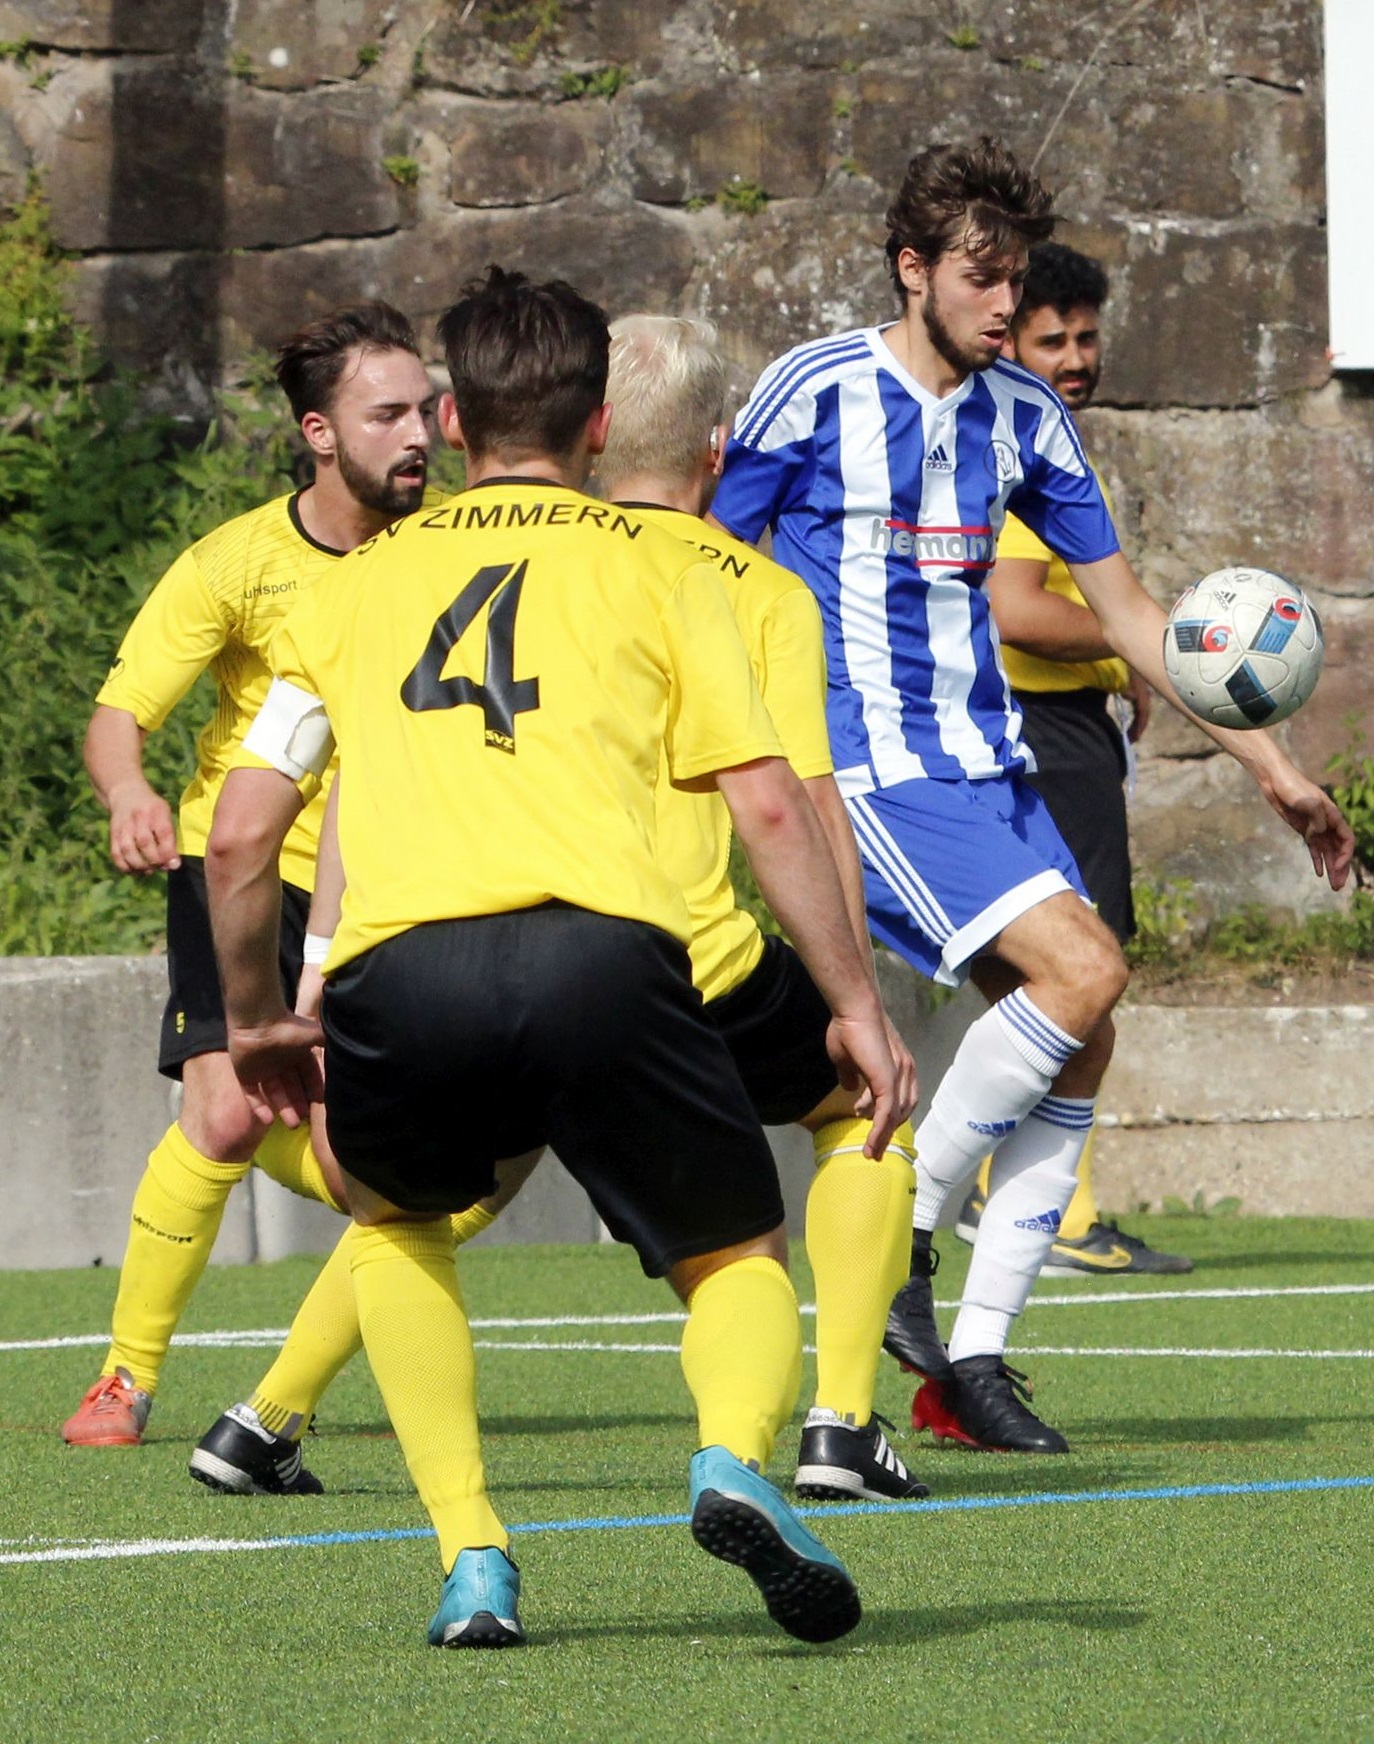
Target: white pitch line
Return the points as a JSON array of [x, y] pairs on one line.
[[1173, 1351], [269, 1337]]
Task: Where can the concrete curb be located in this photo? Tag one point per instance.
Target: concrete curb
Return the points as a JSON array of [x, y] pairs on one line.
[[1274, 1105]]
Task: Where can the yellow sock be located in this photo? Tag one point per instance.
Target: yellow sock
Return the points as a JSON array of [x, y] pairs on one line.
[[741, 1356], [286, 1155], [984, 1178], [420, 1348], [172, 1227], [1082, 1211], [323, 1336], [858, 1239], [471, 1222]]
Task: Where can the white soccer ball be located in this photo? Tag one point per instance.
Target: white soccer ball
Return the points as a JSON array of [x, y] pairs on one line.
[[1243, 648]]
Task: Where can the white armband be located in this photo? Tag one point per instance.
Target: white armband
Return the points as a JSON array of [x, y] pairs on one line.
[[316, 949], [291, 731]]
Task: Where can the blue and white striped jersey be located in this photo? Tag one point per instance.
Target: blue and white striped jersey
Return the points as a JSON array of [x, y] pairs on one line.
[[888, 503]]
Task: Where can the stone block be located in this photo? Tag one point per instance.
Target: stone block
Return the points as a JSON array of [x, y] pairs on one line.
[[773, 280], [148, 155], [1203, 820], [1277, 42], [690, 140], [112, 293], [109, 26], [503, 154], [138, 157], [946, 96], [14, 164], [816, 33], [509, 48], [625, 257], [1271, 1105], [81, 1105], [291, 47], [296, 169], [1275, 1168], [1201, 490], [1229, 316], [1207, 1065]]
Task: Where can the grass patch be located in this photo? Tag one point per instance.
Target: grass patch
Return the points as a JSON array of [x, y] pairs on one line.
[[1124, 1620]]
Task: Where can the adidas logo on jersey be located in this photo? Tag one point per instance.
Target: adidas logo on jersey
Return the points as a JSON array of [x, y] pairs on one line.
[[938, 460], [992, 1128], [1047, 1223]]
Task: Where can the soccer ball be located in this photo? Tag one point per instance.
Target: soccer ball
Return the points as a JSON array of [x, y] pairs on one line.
[[1243, 648]]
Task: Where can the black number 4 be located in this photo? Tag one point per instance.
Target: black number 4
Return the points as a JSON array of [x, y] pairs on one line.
[[501, 695]]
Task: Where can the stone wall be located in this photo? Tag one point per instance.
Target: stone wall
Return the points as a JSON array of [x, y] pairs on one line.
[[223, 169]]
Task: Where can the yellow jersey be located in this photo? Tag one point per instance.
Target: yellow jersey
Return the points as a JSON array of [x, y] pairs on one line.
[[218, 606], [780, 623], [502, 676], [1030, 671]]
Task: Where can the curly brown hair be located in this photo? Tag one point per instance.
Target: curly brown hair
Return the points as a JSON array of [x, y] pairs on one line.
[[978, 197]]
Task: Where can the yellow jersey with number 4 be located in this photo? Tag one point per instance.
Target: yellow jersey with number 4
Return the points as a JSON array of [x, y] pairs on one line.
[[502, 676], [780, 623]]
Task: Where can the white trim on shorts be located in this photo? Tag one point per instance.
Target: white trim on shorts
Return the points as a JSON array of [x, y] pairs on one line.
[[959, 950], [958, 946]]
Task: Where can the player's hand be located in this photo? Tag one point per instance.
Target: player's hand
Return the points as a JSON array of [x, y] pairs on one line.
[[1317, 818], [908, 1088], [143, 835], [863, 1061], [278, 1067]]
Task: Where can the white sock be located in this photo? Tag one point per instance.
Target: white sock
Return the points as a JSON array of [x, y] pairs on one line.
[[1006, 1062], [1032, 1179]]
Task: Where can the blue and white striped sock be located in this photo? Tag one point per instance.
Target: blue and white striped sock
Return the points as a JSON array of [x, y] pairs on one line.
[[1033, 1175], [1005, 1065]]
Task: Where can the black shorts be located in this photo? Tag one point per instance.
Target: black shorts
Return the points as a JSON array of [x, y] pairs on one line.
[[193, 1021], [1082, 768], [774, 1024], [463, 1041]]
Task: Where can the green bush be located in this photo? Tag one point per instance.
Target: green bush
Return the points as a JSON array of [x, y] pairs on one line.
[[96, 499]]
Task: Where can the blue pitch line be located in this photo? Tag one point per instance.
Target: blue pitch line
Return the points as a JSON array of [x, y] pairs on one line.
[[950, 1505]]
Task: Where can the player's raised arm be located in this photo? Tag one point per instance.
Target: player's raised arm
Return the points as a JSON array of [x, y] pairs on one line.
[[1133, 624]]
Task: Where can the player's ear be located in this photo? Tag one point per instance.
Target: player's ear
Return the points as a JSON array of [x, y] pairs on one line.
[[598, 428], [319, 434], [912, 270], [450, 425], [720, 435]]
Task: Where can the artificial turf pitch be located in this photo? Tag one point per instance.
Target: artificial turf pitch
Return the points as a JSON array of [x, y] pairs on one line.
[[1077, 1614]]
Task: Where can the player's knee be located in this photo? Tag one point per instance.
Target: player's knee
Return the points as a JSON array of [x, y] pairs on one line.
[[690, 1274], [222, 1126], [1093, 971]]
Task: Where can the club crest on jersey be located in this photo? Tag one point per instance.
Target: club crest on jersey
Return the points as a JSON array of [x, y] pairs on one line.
[[936, 547]]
